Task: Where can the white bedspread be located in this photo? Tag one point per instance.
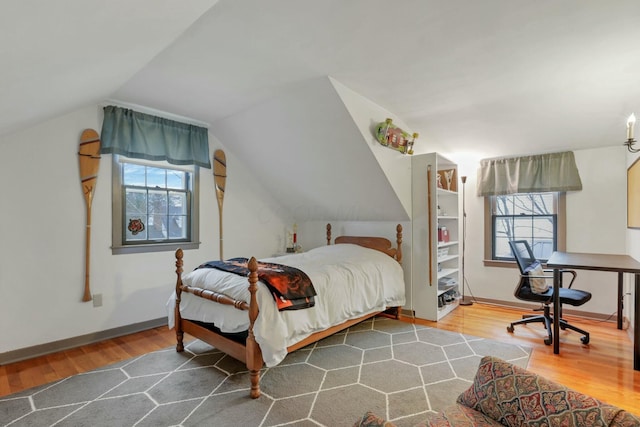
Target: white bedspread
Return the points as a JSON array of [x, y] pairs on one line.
[[350, 281]]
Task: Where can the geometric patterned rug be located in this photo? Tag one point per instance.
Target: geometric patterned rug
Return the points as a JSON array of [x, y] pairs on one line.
[[401, 371]]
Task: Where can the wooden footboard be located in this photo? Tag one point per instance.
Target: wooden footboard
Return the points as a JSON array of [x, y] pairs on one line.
[[250, 352]]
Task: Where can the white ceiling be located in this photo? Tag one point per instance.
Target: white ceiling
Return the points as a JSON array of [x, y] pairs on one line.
[[58, 56], [496, 76], [491, 77]]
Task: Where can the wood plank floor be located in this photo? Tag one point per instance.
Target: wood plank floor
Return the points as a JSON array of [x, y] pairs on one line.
[[603, 369]]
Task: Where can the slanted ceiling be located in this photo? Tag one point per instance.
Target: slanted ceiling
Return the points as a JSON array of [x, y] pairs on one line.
[[58, 56], [306, 148]]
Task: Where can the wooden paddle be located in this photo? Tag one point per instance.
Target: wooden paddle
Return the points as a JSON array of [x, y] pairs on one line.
[[220, 178], [89, 158]]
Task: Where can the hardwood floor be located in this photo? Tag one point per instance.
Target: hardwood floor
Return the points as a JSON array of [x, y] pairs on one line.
[[603, 369]]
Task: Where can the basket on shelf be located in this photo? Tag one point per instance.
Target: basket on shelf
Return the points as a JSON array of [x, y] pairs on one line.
[[443, 252]]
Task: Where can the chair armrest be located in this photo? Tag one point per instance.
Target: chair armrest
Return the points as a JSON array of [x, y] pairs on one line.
[[572, 272]]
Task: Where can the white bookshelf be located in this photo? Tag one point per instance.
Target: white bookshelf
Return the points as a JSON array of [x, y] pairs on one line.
[[435, 275]]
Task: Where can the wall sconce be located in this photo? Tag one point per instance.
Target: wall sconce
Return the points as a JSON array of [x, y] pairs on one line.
[[631, 121]]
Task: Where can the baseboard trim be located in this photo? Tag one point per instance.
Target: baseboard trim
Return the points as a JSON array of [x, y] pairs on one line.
[[586, 314], [65, 344], [527, 306]]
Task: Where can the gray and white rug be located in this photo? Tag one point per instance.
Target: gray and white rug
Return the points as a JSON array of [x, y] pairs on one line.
[[402, 371]]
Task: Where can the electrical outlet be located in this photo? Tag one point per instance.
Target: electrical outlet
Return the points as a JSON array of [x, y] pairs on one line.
[[97, 300]]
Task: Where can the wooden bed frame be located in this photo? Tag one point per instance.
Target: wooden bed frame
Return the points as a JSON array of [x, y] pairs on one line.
[[250, 352]]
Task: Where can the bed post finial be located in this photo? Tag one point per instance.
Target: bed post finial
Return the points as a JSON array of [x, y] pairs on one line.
[[399, 243], [328, 234]]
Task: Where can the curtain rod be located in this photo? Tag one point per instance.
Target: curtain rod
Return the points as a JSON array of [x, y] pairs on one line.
[[154, 112]]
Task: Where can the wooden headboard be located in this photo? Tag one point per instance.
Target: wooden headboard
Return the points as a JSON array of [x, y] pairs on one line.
[[378, 243]]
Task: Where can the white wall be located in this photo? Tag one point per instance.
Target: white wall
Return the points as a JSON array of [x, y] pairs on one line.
[[42, 224], [367, 115], [596, 222]]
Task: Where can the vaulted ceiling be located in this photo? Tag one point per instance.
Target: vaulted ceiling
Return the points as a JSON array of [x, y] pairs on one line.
[[493, 77]]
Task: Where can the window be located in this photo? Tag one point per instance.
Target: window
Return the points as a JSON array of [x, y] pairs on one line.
[[538, 218], [155, 206]]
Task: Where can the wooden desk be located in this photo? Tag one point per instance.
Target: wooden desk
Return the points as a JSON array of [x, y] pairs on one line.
[[598, 262]]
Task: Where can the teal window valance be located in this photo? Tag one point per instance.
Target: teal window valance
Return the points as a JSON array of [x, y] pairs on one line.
[[143, 136], [529, 174]]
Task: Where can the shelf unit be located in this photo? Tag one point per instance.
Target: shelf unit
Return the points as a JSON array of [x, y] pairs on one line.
[[435, 265]]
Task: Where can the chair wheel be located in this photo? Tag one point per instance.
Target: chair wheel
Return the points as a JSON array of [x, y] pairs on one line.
[[585, 339], [510, 328], [563, 327], [548, 341]]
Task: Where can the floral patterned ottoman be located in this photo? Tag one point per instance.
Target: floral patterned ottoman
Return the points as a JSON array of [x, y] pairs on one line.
[[505, 394]]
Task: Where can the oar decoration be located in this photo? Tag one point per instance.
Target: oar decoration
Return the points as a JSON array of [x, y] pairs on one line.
[[89, 158], [220, 179]]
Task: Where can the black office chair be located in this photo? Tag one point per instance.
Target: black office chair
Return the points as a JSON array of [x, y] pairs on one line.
[[527, 264]]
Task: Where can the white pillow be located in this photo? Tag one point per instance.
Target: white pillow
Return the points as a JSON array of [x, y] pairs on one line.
[[538, 285]]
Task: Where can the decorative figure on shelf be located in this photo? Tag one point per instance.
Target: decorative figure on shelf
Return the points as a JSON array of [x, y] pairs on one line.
[[448, 175]]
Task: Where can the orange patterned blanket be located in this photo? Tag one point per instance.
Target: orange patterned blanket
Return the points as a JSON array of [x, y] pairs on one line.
[[291, 288]]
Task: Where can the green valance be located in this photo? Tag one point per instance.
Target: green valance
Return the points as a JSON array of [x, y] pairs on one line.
[[529, 174], [143, 136]]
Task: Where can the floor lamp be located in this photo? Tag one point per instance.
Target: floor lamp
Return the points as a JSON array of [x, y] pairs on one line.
[[463, 301]]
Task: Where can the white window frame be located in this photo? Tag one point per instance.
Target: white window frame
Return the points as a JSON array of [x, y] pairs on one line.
[[561, 230], [117, 245]]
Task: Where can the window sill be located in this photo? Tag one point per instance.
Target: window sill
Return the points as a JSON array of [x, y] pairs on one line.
[[157, 247], [500, 264]]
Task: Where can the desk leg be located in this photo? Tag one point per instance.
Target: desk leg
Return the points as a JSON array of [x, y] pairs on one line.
[[557, 278], [636, 324], [620, 299]]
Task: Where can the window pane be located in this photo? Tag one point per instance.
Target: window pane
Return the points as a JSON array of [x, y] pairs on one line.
[[157, 202], [177, 226], [502, 248], [543, 227], [521, 204], [133, 174], [136, 202], [177, 203], [503, 227], [156, 177], [522, 228], [543, 203], [176, 179], [157, 227], [178, 219], [503, 205]]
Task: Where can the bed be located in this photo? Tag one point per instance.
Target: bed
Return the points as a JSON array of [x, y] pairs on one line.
[[356, 278]]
